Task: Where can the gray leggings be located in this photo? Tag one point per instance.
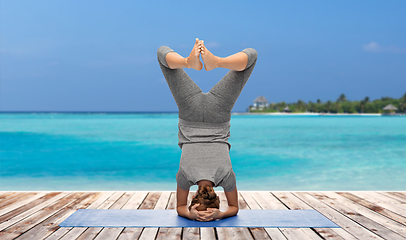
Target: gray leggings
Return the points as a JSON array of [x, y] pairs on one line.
[[214, 106]]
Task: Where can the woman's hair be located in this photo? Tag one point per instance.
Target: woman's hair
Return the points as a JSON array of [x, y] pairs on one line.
[[206, 197]]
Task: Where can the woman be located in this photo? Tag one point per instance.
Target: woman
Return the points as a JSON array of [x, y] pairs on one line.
[[204, 124]]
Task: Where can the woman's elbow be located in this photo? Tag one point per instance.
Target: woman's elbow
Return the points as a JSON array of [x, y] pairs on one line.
[[235, 210]]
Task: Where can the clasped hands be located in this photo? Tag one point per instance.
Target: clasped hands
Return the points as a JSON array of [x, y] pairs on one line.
[[204, 216]]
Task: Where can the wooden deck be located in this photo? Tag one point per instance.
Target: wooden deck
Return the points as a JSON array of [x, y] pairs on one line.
[[361, 215]]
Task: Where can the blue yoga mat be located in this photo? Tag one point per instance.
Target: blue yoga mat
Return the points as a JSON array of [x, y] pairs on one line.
[[169, 218]]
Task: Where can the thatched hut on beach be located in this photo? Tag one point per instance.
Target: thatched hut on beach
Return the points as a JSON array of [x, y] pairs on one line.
[[260, 102], [390, 108], [286, 110]]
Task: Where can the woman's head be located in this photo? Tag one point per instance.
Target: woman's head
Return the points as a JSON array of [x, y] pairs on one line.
[[206, 197]]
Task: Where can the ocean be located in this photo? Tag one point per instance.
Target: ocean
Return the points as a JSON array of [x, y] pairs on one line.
[[139, 151]]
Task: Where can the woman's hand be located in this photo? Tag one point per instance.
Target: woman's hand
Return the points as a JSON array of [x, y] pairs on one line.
[[212, 214], [204, 216], [194, 214]]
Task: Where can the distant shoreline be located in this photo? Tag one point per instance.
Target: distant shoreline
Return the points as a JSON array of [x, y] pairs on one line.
[[233, 113], [323, 114]]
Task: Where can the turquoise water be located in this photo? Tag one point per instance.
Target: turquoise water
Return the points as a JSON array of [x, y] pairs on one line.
[[140, 152]]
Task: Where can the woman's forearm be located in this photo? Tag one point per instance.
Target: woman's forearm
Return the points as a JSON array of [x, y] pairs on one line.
[[183, 211], [231, 211]]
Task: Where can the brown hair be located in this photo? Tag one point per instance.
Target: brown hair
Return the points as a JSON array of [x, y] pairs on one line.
[[206, 197]]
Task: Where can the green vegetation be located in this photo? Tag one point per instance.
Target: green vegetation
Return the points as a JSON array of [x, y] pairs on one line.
[[341, 105]]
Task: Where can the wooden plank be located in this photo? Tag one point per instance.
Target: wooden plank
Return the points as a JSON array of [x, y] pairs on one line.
[[3, 193], [386, 202], [268, 201], [230, 233], [113, 233], [294, 233], [149, 203], [88, 233], [22, 202], [136, 199], [91, 233], [292, 202], [347, 224], [130, 233], [328, 233], [63, 231], [109, 233], [401, 195], [111, 200], [170, 233], [242, 204], [45, 228], [14, 198], [10, 197], [378, 197], [66, 232], [34, 216], [251, 203], [31, 221], [191, 233], [133, 203], [273, 233], [394, 195], [122, 200], [207, 233], [357, 217], [257, 233], [19, 204], [374, 207], [25, 211], [73, 233], [151, 233], [387, 222]]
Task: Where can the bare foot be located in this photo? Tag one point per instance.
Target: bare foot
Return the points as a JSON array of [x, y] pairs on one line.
[[210, 61], [193, 61]]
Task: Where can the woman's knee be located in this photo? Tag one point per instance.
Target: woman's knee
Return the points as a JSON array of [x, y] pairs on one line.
[[161, 53], [252, 56]]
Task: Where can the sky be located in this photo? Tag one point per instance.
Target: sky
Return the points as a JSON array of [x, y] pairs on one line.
[[101, 55]]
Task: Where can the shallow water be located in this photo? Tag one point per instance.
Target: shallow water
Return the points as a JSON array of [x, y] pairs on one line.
[[140, 152]]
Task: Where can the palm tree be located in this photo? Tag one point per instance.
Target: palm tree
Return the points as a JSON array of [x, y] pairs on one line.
[[318, 101], [402, 103], [328, 105], [300, 104], [364, 103], [337, 105], [342, 98]]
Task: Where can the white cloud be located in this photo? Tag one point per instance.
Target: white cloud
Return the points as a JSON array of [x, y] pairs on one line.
[[372, 47], [375, 47]]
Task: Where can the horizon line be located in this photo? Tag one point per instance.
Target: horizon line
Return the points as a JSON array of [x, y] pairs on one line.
[[117, 112]]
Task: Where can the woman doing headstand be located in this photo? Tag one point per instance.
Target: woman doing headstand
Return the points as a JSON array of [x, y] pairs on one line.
[[204, 127]]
